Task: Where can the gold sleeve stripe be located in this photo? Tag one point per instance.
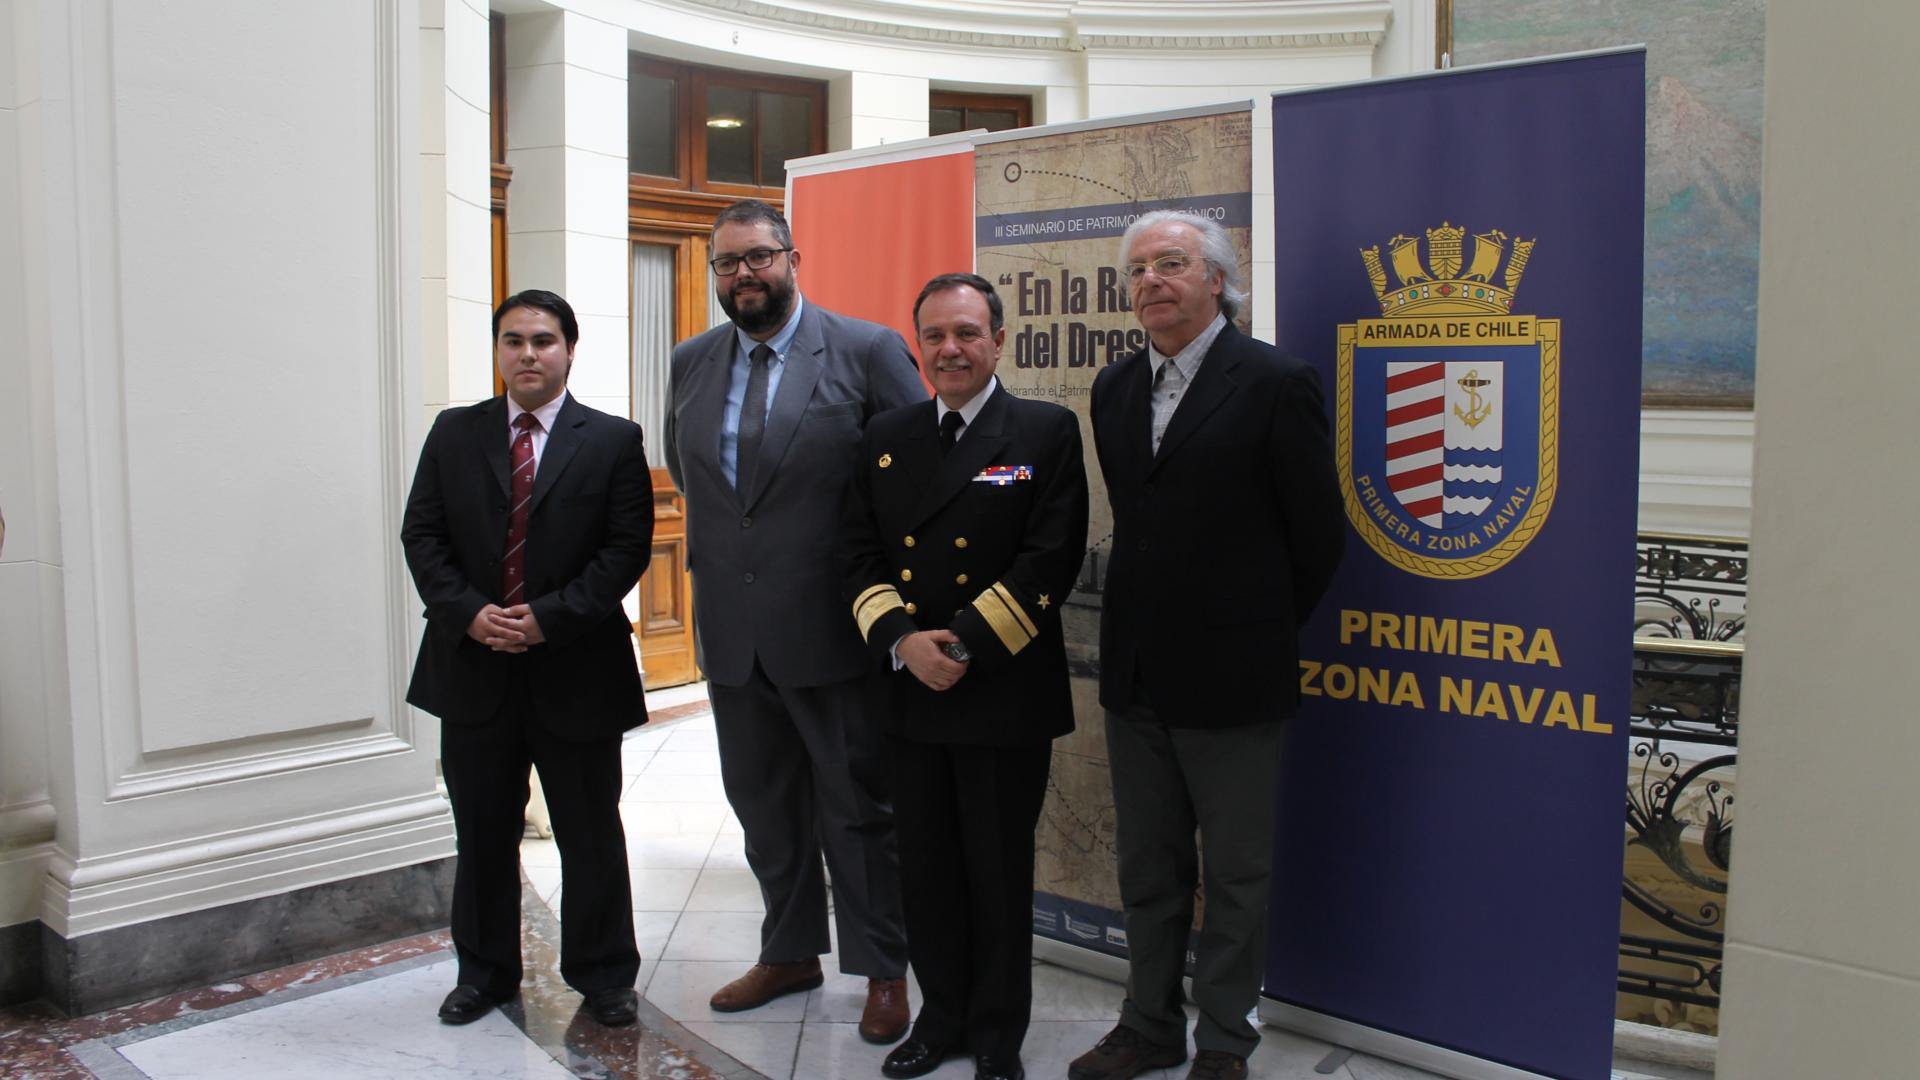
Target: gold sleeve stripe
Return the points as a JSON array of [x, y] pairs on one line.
[[872, 604], [1018, 611], [1002, 621]]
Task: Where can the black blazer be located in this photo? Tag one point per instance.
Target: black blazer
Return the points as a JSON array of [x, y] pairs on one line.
[[932, 546], [589, 538], [1223, 542]]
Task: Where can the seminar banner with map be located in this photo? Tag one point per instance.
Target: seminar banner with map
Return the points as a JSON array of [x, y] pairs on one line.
[[1050, 207], [1460, 256]]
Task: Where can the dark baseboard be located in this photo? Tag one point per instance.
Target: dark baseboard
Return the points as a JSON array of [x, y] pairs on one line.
[[19, 963], [116, 967]]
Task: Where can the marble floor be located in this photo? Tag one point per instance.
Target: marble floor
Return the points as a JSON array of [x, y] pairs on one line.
[[370, 1013]]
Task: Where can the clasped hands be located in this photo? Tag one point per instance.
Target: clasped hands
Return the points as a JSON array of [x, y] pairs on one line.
[[922, 655], [508, 630]]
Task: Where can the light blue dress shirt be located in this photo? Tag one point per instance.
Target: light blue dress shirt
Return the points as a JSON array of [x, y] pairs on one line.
[[737, 384]]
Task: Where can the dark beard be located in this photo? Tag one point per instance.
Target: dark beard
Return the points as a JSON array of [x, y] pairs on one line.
[[770, 315]]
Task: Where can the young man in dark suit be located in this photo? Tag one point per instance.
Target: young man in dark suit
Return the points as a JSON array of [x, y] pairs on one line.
[[1227, 526], [531, 516], [966, 525]]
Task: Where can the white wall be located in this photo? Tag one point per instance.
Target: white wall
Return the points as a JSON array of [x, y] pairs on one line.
[[222, 302], [1696, 471], [1823, 964], [30, 604]]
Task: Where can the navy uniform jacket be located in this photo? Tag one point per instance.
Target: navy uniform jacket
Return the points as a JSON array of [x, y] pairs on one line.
[[1223, 541], [985, 542]]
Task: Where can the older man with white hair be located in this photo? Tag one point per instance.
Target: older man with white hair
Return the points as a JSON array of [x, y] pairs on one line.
[[1227, 526]]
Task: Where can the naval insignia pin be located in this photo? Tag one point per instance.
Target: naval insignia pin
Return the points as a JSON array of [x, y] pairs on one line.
[[1043, 601], [886, 460]]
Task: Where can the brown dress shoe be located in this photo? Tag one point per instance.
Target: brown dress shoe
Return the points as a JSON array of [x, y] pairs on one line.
[[1217, 1065], [884, 1019], [764, 982], [1124, 1053]]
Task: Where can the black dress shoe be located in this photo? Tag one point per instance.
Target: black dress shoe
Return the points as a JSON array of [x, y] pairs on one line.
[[912, 1058], [994, 1067], [465, 1005], [614, 1007]]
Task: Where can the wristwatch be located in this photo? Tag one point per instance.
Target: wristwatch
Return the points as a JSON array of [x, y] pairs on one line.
[[957, 651]]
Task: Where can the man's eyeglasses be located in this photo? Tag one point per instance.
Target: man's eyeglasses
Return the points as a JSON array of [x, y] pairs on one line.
[[757, 259], [1166, 266]]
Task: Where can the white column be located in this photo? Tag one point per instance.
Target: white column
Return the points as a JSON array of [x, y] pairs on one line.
[[231, 352], [1823, 965], [1060, 104], [466, 210], [865, 108], [567, 207]]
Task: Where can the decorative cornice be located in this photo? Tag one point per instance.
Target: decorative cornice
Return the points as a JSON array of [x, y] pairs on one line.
[[1367, 39], [1078, 25], [950, 29], [1230, 24]]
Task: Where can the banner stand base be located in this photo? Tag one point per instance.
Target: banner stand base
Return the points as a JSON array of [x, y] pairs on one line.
[[1346, 1033], [1085, 961], [1343, 1034]]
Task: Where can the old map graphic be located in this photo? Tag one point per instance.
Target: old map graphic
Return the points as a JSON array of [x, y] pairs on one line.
[[1050, 212]]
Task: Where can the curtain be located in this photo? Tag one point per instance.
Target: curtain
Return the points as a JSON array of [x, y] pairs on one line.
[[653, 337]]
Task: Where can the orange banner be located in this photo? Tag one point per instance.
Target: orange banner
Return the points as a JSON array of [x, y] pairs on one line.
[[870, 236]]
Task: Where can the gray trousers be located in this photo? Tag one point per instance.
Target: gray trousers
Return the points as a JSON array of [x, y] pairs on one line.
[[1168, 783], [805, 772]]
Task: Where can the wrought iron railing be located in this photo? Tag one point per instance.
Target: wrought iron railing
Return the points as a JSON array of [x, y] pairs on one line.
[[1690, 615]]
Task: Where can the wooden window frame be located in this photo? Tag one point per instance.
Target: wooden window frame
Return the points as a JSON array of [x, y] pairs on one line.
[[1020, 106], [637, 64], [690, 144]]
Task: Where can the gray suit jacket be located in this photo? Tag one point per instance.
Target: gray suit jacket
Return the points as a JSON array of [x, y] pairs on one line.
[[767, 575]]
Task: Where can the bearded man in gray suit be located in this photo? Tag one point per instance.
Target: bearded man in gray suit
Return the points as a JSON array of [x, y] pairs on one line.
[[763, 425]]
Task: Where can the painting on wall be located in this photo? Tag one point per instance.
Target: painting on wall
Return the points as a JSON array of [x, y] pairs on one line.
[[1703, 169]]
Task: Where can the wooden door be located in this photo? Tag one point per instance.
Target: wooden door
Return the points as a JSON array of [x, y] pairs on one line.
[[672, 287], [665, 628], [667, 269]]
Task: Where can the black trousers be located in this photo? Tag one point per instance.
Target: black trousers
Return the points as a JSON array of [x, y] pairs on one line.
[[966, 816], [486, 771]]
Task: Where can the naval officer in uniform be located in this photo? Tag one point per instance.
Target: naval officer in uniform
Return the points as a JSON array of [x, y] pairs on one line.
[[967, 522]]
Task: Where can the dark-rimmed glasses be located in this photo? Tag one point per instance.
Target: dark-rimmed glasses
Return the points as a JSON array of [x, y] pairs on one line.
[[757, 259]]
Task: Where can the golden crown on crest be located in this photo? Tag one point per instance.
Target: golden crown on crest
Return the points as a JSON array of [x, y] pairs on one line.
[[1440, 287]]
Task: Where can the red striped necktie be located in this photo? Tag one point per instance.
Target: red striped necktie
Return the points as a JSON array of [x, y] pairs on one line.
[[514, 565]]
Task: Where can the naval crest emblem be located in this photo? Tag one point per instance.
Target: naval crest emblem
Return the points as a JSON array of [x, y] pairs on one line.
[[1447, 430]]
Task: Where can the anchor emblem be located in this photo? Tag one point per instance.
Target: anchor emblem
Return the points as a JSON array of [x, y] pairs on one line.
[[1477, 410]]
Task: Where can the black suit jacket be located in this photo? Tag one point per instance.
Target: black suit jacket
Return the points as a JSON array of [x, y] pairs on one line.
[[932, 546], [589, 538], [1223, 542]]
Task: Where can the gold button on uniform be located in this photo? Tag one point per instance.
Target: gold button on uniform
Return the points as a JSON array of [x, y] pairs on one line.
[[906, 575], [909, 541], [910, 608], [961, 580], [959, 541]]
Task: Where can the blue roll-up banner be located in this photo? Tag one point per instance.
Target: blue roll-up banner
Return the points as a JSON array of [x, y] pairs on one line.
[[1460, 257]]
